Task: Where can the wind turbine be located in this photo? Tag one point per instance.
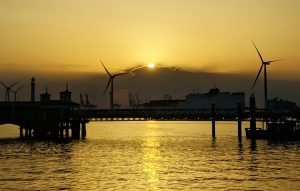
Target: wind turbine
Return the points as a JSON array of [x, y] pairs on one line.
[[263, 65], [8, 89], [111, 82], [16, 91]]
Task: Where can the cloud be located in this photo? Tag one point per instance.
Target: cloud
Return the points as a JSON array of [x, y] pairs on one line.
[[133, 70]]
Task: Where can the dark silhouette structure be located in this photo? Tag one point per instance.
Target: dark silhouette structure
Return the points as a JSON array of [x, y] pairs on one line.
[[263, 65], [277, 126], [32, 89], [44, 119], [8, 90], [111, 83], [63, 118], [15, 92], [252, 117]]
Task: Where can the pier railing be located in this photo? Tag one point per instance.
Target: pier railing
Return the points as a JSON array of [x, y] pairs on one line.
[[175, 114]]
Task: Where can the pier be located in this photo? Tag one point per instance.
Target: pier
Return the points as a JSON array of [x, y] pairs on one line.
[[43, 121], [63, 119]]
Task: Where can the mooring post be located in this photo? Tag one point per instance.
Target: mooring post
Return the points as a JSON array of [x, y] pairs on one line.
[[213, 120], [83, 130], [21, 132], [30, 132], [61, 130], [57, 130], [239, 114], [67, 126], [252, 116], [75, 129], [26, 132]]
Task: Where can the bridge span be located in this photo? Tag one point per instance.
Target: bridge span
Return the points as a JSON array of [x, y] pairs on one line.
[[61, 120]]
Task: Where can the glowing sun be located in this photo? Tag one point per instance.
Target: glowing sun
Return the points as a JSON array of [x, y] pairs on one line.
[[151, 65]]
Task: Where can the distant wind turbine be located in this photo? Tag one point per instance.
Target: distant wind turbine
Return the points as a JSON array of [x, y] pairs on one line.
[[16, 91], [263, 65], [8, 89], [111, 82]]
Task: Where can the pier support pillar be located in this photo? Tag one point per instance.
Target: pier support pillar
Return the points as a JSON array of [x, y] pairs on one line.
[[83, 130], [56, 130], [75, 130], [213, 120], [61, 132], [67, 131], [26, 132], [253, 117], [30, 132], [21, 132], [239, 114]]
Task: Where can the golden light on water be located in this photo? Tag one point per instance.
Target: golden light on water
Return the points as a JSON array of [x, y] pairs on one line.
[[152, 157]]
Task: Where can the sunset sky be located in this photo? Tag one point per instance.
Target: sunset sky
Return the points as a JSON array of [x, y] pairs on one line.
[[66, 36]]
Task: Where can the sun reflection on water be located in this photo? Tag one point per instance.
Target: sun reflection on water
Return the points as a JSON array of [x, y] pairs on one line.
[[151, 156]]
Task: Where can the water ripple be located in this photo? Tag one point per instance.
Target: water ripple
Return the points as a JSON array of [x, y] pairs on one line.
[[150, 156]]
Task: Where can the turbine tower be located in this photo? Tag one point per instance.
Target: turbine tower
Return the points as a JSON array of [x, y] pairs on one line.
[[263, 65], [16, 91], [8, 89], [111, 83]]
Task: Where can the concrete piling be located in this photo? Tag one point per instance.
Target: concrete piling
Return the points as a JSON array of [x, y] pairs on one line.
[[239, 120], [21, 132], [252, 116], [75, 126], [213, 120], [83, 130]]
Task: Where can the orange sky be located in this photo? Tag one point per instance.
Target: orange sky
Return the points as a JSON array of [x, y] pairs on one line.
[[204, 35]]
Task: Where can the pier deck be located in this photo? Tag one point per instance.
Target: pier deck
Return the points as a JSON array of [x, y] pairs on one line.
[[63, 120]]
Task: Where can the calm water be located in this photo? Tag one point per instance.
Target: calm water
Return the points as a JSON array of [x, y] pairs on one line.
[[149, 156]]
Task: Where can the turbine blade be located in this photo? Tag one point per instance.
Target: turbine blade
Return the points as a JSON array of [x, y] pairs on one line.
[[257, 75], [261, 58], [107, 86], [275, 60], [120, 74], [19, 89], [13, 84], [3, 84], [105, 68]]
